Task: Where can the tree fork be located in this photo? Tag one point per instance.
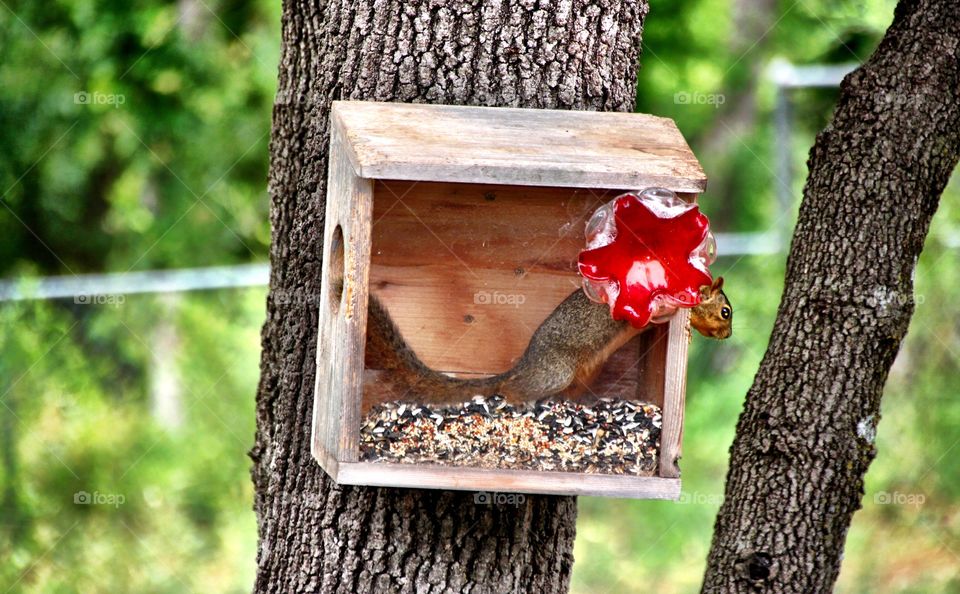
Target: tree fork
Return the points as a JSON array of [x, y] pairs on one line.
[[805, 438], [314, 535]]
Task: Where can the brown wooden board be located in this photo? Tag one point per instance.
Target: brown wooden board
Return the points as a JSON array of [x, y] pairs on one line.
[[342, 317], [674, 394], [539, 147], [431, 476]]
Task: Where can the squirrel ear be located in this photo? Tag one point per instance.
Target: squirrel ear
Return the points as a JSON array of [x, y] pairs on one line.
[[717, 284]]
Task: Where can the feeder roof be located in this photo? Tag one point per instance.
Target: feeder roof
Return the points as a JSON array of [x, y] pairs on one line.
[[499, 145]]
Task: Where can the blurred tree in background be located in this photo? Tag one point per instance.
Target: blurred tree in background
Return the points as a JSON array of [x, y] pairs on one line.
[[134, 134], [134, 137]]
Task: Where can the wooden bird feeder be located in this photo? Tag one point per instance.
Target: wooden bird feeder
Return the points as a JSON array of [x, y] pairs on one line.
[[466, 222]]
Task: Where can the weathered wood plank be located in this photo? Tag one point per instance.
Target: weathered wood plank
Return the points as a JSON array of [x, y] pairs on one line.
[[423, 476], [342, 317], [674, 394], [482, 226], [517, 146]]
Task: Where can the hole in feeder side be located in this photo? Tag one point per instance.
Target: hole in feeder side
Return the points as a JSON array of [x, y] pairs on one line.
[[336, 269]]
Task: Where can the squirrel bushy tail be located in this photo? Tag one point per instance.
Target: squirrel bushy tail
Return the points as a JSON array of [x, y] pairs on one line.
[[407, 377]]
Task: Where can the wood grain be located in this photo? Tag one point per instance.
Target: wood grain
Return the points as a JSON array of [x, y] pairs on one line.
[[342, 318], [468, 272], [517, 146], [451, 319], [425, 476], [674, 394]]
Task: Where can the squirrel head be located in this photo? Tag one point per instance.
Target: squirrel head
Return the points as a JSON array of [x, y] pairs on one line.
[[714, 316]]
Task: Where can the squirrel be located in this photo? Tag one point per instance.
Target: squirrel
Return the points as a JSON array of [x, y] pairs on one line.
[[564, 356]]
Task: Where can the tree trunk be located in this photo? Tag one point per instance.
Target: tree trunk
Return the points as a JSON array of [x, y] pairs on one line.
[[314, 535], [806, 435]]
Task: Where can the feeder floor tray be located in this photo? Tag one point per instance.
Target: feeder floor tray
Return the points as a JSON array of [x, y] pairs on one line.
[[609, 436]]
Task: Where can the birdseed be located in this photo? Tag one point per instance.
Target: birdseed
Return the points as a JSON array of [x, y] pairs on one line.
[[609, 436]]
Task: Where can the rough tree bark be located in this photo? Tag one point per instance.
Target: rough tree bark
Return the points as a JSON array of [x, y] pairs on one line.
[[315, 536], [806, 435]]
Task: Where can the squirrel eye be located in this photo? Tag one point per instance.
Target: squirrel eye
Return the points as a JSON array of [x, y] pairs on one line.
[[725, 313]]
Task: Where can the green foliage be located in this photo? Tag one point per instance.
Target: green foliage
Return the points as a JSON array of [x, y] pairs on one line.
[[134, 135], [151, 399], [100, 494]]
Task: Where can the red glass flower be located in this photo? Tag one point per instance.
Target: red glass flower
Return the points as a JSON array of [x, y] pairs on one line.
[[647, 256]]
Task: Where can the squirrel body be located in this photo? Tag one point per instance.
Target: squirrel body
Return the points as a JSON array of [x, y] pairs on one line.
[[564, 356]]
